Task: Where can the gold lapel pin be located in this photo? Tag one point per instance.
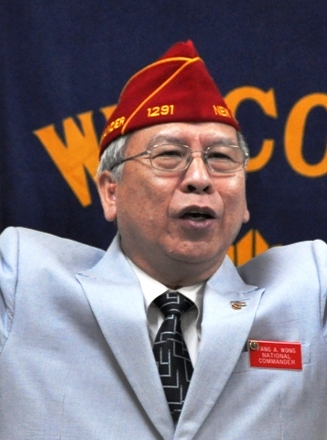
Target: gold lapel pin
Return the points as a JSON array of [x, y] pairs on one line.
[[237, 305]]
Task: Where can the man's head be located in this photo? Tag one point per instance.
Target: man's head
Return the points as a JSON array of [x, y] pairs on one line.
[[179, 198]]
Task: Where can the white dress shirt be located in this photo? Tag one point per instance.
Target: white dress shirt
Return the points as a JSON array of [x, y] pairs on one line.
[[190, 321]]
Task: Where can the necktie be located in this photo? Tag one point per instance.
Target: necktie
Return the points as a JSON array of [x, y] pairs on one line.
[[170, 351]]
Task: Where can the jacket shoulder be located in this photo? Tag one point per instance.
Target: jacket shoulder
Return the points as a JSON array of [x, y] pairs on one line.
[[303, 260], [38, 247]]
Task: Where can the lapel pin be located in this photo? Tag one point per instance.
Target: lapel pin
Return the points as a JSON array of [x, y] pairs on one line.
[[237, 305]]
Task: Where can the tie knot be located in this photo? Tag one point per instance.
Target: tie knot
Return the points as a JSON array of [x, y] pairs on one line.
[[173, 303]]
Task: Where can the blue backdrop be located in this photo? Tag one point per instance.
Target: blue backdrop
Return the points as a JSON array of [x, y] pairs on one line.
[[65, 62]]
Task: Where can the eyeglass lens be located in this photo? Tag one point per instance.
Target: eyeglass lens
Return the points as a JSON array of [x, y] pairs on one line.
[[220, 158]]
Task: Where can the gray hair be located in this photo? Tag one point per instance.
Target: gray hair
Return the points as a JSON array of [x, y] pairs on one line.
[[115, 152], [243, 144]]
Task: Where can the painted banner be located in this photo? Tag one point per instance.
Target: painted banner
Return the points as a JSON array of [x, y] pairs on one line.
[[65, 62]]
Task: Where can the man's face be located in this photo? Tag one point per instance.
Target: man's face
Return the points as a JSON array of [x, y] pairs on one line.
[[183, 220]]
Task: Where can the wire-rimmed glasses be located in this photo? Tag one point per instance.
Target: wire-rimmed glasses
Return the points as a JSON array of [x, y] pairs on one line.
[[221, 159]]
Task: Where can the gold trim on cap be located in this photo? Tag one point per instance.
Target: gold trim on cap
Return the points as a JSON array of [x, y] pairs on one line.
[[178, 71], [156, 63]]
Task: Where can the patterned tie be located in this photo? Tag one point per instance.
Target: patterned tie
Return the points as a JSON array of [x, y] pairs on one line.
[[170, 351]]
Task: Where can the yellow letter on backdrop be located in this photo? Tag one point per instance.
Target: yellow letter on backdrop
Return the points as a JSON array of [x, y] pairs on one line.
[[76, 156], [267, 102], [294, 134]]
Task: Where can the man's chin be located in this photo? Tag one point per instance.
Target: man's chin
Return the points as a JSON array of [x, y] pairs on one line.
[[198, 254]]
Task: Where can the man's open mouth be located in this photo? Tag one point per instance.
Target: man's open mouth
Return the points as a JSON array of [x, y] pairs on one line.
[[197, 215]]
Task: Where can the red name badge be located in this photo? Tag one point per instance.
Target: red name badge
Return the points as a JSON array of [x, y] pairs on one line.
[[275, 354]]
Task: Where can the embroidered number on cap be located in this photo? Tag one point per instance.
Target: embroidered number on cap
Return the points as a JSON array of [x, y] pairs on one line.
[[164, 110]]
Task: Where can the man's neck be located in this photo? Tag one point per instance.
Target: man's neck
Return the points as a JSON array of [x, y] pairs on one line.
[[178, 274]]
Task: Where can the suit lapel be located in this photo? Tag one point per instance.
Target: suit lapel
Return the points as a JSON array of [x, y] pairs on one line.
[[224, 334], [116, 299]]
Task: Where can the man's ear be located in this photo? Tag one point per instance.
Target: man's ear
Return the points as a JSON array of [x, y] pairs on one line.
[[107, 192], [246, 214]]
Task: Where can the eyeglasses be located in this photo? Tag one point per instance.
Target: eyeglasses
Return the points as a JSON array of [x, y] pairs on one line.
[[169, 157]]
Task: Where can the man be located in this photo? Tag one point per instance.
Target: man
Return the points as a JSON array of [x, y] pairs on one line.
[[83, 334]]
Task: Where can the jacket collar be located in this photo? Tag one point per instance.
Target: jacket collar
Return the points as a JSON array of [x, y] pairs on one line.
[[116, 299]]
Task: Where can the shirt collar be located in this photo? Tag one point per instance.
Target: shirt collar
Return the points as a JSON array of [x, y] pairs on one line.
[[152, 288]]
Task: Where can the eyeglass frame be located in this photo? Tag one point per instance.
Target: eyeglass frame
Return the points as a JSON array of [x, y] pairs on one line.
[[204, 155]]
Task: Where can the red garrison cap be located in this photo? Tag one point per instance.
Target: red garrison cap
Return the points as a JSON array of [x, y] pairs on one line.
[[176, 88]]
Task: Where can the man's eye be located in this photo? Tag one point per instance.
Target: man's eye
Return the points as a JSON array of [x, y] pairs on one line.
[[224, 154], [172, 152], [220, 156]]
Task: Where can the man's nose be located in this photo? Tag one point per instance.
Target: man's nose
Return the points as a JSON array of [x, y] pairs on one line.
[[197, 178]]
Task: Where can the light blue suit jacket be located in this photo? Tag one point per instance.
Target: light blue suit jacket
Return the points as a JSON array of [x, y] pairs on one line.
[[76, 361]]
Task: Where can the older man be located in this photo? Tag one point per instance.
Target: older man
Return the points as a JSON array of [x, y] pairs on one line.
[[160, 337]]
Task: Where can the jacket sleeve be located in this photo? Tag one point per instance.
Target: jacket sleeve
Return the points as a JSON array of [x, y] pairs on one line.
[[320, 256], [8, 280]]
